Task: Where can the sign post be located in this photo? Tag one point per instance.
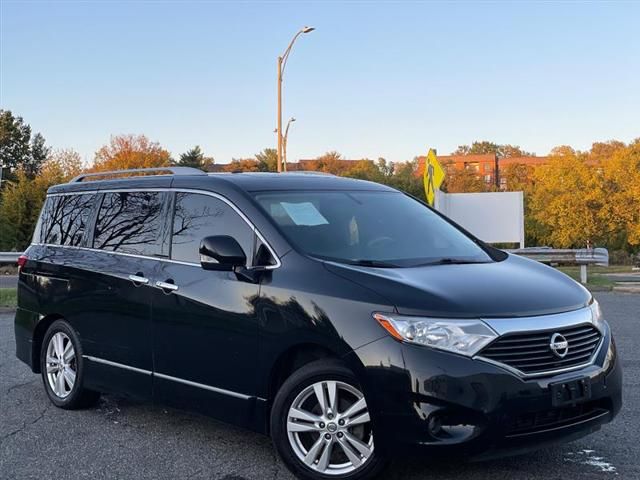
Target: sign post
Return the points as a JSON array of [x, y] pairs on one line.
[[433, 176]]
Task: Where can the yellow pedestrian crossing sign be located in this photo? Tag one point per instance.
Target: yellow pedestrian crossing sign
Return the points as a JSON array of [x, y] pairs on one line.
[[433, 176]]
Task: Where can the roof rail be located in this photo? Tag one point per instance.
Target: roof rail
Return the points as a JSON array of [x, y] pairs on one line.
[[311, 172], [172, 170]]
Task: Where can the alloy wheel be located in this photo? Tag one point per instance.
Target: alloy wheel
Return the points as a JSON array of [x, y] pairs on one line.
[[61, 365], [329, 428]]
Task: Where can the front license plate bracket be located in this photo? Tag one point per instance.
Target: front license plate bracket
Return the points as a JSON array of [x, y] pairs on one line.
[[570, 392]]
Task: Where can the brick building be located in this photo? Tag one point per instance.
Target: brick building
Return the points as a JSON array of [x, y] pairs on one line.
[[486, 166]]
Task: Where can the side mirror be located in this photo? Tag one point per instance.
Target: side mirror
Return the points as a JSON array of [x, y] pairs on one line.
[[221, 252]]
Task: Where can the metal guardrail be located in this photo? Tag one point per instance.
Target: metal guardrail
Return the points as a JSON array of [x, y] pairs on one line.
[[567, 256], [8, 258], [582, 256]]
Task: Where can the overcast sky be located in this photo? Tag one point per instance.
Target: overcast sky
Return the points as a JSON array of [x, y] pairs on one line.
[[375, 79]]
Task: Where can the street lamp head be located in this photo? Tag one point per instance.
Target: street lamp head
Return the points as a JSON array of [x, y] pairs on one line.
[[307, 29], [292, 119]]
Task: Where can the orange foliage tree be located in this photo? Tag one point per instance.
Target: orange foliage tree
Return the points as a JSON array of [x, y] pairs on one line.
[[130, 151], [463, 180]]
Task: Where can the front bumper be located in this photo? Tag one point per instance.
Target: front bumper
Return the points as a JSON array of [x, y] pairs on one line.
[[422, 399]]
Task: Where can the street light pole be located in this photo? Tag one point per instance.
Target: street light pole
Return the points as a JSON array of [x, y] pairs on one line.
[[284, 143], [282, 63], [279, 124]]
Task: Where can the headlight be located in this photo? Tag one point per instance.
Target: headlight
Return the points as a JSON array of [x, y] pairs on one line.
[[466, 337], [596, 316]]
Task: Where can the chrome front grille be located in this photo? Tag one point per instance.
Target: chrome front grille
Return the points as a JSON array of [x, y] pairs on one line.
[[531, 353]]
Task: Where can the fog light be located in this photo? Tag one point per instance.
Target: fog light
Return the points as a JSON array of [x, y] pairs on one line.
[[434, 425], [442, 427]]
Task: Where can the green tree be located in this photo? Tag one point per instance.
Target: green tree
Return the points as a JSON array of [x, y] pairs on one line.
[[14, 142], [405, 177], [364, 170], [195, 158], [483, 147], [39, 154], [21, 203], [268, 160], [386, 168]]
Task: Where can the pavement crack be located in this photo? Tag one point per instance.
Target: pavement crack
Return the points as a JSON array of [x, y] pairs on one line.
[[19, 385], [25, 424]]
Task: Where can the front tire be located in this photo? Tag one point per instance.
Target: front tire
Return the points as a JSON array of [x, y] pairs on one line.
[[62, 368], [320, 425]]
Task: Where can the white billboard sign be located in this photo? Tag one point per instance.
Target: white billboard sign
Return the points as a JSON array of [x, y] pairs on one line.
[[494, 217]]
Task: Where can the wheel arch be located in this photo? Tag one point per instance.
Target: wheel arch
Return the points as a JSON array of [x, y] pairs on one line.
[[292, 359], [38, 336]]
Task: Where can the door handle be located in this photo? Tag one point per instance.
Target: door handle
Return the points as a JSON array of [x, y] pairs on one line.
[[138, 279], [167, 287]]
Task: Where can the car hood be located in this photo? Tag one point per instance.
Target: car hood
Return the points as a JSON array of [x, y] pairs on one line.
[[514, 287]]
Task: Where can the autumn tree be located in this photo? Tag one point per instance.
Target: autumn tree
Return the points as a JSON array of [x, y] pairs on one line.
[[463, 180], [567, 200], [330, 162], [59, 167], [243, 165], [364, 170], [621, 180], [22, 198], [602, 151], [130, 151], [518, 176]]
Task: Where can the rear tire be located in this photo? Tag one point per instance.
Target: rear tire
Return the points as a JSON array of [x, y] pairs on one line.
[[320, 425], [62, 368]]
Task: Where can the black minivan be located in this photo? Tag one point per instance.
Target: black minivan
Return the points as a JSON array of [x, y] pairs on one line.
[[347, 320]]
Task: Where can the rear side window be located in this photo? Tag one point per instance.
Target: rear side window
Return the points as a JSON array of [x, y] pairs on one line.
[[130, 222], [64, 219], [197, 216]]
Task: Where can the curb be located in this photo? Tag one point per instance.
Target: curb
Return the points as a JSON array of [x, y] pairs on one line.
[[627, 288]]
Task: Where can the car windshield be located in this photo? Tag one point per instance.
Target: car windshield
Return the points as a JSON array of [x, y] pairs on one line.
[[370, 228]]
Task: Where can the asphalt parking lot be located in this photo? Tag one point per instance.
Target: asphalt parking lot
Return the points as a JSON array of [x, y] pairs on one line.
[[121, 439]]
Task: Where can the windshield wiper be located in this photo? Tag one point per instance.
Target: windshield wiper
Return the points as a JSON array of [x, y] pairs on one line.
[[452, 261], [372, 263]]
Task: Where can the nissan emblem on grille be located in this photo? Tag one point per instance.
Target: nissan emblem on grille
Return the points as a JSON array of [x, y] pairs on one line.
[[559, 345]]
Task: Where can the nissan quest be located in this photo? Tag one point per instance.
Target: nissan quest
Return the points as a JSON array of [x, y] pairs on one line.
[[347, 320]]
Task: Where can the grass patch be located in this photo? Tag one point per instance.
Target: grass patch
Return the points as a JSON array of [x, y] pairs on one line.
[[8, 297], [595, 277]]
